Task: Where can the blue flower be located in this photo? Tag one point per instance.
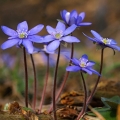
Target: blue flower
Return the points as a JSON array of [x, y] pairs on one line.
[[73, 17], [103, 42], [58, 34], [44, 54], [52, 55], [22, 37], [8, 60], [82, 64]]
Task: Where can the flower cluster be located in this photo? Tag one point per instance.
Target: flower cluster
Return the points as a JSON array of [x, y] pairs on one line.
[[73, 17], [63, 32]]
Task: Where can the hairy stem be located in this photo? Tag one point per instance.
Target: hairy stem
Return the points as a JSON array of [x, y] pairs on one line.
[[85, 98], [45, 84], [35, 82], [26, 78], [64, 80], [54, 86]]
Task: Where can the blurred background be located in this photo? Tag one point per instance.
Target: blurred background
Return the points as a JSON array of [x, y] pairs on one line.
[[105, 18]]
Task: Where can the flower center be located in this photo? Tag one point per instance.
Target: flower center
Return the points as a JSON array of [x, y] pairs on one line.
[[22, 34], [58, 35], [82, 64], [106, 41]]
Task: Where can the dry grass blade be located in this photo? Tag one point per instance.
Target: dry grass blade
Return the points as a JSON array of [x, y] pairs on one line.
[[96, 113], [118, 112]]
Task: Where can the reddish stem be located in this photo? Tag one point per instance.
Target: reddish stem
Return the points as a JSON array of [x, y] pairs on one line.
[[45, 84], [26, 78], [65, 79], [35, 82], [54, 86], [94, 89], [85, 98]]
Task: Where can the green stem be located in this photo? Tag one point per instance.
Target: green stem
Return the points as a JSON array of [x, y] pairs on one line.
[[64, 80], [85, 98], [26, 78], [35, 82], [45, 84], [94, 89], [54, 86]]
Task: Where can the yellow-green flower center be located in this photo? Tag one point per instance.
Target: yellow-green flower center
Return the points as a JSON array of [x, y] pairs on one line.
[[22, 35], [106, 41], [57, 35], [82, 64]]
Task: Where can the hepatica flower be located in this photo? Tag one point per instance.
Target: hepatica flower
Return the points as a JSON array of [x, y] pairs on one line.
[[103, 42], [82, 64], [58, 34], [73, 17], [22, 37], [8, 60], [52, 55]]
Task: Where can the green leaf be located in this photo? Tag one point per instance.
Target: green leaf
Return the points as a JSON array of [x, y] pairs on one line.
[[60, 21], [111, 102], [98, 109], [107, 113], [27, 109]]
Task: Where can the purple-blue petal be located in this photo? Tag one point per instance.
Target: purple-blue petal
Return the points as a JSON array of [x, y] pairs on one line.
[[73, 68], [82, 15], [23, 26], [70, 39], [36, 29], [37, 50], [96, 35], [72, 21], [19, 42], [90, 63], [94, 71], [84, 57], [9, 43], [73, 14], [9, 31], [78, 20], [67, 17], [92, 39], [36, 38], [48, 38], [70, 29], [28, 45], [12, 37], [84, 24], [87, 70], [49, 52], [75, 61], [63, 13], [60, 26], [50, 30], [114, 47], [113, 42], [53, 45]]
